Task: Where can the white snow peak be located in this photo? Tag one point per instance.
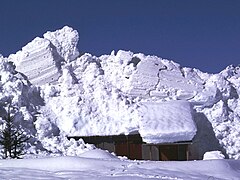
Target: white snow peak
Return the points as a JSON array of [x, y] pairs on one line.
[[41, 59]]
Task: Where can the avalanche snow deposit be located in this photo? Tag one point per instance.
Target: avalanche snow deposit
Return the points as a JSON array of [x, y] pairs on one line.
[[60, 93]]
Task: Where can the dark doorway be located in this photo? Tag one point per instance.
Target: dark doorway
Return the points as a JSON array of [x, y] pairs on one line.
[[173, 152], [167, 153]]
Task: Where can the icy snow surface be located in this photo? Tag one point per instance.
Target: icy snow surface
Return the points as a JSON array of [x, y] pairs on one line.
[[76, 95]]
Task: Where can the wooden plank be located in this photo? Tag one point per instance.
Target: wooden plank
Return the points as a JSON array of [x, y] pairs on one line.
[[146, 153], [182, 152], [109, 147], [121, 149], [135, 151], [154, 153]]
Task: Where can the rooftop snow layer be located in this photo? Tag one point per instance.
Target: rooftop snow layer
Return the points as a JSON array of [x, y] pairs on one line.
[[157, 122], [166, 122]]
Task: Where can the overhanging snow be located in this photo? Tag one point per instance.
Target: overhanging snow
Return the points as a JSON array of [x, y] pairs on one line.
[[166, 122]]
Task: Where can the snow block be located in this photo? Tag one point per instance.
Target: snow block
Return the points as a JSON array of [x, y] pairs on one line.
[[41, 59]]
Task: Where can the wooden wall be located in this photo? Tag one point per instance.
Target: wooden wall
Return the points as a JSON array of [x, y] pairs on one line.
[[133, 147]]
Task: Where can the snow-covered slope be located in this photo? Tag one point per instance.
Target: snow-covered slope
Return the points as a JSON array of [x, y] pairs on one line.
[[109, 90]]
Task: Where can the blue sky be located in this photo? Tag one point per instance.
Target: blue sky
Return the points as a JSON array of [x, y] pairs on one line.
[[203, 34]]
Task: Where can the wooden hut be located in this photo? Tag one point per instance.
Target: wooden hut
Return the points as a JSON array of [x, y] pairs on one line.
[[165, 133]]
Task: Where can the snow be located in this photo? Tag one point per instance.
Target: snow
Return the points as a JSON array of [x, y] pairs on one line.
[[213, 155], [41, 59], [112, 168], [65, 41], [166, 122], [59, 93], [98, 154]]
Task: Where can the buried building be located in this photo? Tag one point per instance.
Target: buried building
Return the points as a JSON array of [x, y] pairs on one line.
[[165, 131]]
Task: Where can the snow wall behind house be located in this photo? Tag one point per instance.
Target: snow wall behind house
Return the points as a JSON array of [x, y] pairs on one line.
[[60, 93]]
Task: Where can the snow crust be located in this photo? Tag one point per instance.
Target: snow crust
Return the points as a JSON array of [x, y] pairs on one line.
[[60, 93]]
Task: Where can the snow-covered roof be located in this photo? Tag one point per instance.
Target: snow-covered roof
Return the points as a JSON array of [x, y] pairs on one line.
[[157, 122], [166, 122]]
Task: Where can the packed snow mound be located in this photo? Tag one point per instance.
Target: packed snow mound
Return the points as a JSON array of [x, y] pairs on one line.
[[213, 155], [98, 154], [16, 89], [76, 95], [41, 59], [45, 137]]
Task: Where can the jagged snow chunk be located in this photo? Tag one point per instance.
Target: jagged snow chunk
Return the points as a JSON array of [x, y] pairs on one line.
[[41, 60], [65, 40]]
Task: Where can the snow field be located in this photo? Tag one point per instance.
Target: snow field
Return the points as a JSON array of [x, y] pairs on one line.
[[110, 167]]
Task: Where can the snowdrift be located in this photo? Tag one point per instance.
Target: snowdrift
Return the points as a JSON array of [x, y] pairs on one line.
[[60, 93]]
